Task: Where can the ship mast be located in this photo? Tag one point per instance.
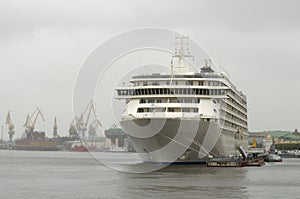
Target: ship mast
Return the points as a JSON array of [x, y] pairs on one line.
[[182, 52]]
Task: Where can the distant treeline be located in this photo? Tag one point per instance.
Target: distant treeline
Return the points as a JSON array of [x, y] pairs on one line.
[[287, 146]]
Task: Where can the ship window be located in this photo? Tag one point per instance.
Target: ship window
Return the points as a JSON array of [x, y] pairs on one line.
[[188, 100], [174, 109], [150, 100], [160, 109], [170, 109], [142, 101], [158, 100], [173, 100], [179, 91], [190, 110], [185, 110], [189, 83], [215, 110], [206, 91], [172, 91], [176, 91], [194, 91]]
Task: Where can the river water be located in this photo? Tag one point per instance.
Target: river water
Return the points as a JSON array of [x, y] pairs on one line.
[[71, 175]]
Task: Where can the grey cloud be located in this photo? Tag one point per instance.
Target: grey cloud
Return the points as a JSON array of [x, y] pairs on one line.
[[43, 43]]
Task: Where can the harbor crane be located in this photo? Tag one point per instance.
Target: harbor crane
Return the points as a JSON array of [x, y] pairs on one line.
[[79, 126], [31, 121], [55, 128], [93, 127], [83, 123], [73, 128], [11, 127]]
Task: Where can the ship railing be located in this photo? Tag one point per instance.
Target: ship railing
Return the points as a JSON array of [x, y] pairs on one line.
[[196, 116]]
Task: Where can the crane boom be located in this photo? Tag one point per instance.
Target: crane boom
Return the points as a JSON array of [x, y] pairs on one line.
[[92, 108], [38, 112], [30, 122], [27, 122]]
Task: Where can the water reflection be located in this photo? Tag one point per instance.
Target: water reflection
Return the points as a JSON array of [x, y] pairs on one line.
[[192, 181]]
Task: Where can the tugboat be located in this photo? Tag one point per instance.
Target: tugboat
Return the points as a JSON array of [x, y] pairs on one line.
[[273, 158]]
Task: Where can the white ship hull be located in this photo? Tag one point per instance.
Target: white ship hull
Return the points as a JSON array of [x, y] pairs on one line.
[[180, 140]]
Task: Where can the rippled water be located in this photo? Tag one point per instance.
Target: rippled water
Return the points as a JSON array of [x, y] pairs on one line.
[[65, 175]]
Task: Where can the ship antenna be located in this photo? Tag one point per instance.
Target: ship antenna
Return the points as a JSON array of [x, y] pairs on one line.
[[209, 62]]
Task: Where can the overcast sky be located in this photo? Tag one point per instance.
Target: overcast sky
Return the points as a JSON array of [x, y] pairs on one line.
[[44, 43]]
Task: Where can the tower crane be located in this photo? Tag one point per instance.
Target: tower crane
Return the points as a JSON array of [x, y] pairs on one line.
[[11, 127]]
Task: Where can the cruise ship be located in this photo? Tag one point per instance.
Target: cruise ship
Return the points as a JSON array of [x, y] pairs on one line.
[[184, 115]]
